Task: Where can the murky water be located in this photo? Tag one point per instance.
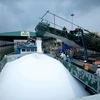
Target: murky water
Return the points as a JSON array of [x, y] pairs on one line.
[[6, 50]]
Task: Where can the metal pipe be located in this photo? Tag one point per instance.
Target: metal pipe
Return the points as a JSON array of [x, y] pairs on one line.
[[72, 20], [44, 14], [54, 20], [52, 23], [85, 50], [69, 22]]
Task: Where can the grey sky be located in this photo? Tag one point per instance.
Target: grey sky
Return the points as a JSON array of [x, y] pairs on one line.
[[18, 15]]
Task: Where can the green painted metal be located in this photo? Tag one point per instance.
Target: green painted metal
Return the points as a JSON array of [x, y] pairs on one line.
[[16, 33], [41, 28], [90, 80]]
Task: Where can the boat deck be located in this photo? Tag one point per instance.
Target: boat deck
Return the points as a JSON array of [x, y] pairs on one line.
[[80, 63]]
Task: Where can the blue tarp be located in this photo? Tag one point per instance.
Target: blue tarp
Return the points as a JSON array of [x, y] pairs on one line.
[[64, 47]]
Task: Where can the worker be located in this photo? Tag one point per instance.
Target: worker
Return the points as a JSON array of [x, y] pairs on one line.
[[69, 60], [86, 67], [63, 56], [98, 71], [64, 29]]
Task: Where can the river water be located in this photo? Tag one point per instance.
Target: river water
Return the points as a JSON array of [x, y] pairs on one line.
[[6, 50]]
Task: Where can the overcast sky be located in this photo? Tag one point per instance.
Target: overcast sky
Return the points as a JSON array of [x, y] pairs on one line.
[[16, 15]]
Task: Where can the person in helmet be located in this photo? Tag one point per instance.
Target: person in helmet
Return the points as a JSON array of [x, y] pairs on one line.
[[98, 71]]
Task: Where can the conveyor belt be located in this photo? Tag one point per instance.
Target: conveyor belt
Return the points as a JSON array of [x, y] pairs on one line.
[[91, 41]]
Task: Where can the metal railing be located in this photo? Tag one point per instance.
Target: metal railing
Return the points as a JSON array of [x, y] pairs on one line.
[[90, 80]]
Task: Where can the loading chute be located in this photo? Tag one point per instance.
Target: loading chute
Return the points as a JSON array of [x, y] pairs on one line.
[[44, 29], [72, 38], [65, 40]]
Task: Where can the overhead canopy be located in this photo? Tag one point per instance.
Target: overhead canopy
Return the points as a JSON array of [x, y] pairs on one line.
[[18, 33]]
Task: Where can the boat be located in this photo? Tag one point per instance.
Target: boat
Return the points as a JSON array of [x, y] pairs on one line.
[[25, 49], [91, 81], [79, 39]]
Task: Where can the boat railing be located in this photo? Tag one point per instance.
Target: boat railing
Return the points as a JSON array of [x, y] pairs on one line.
[[88, 79]]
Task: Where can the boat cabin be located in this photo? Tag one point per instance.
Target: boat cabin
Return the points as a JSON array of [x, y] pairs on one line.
[[25, 49]]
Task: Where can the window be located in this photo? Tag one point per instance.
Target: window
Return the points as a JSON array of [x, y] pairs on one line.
[[35, 49], [32, 49], [23, 50], [28, 50]]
